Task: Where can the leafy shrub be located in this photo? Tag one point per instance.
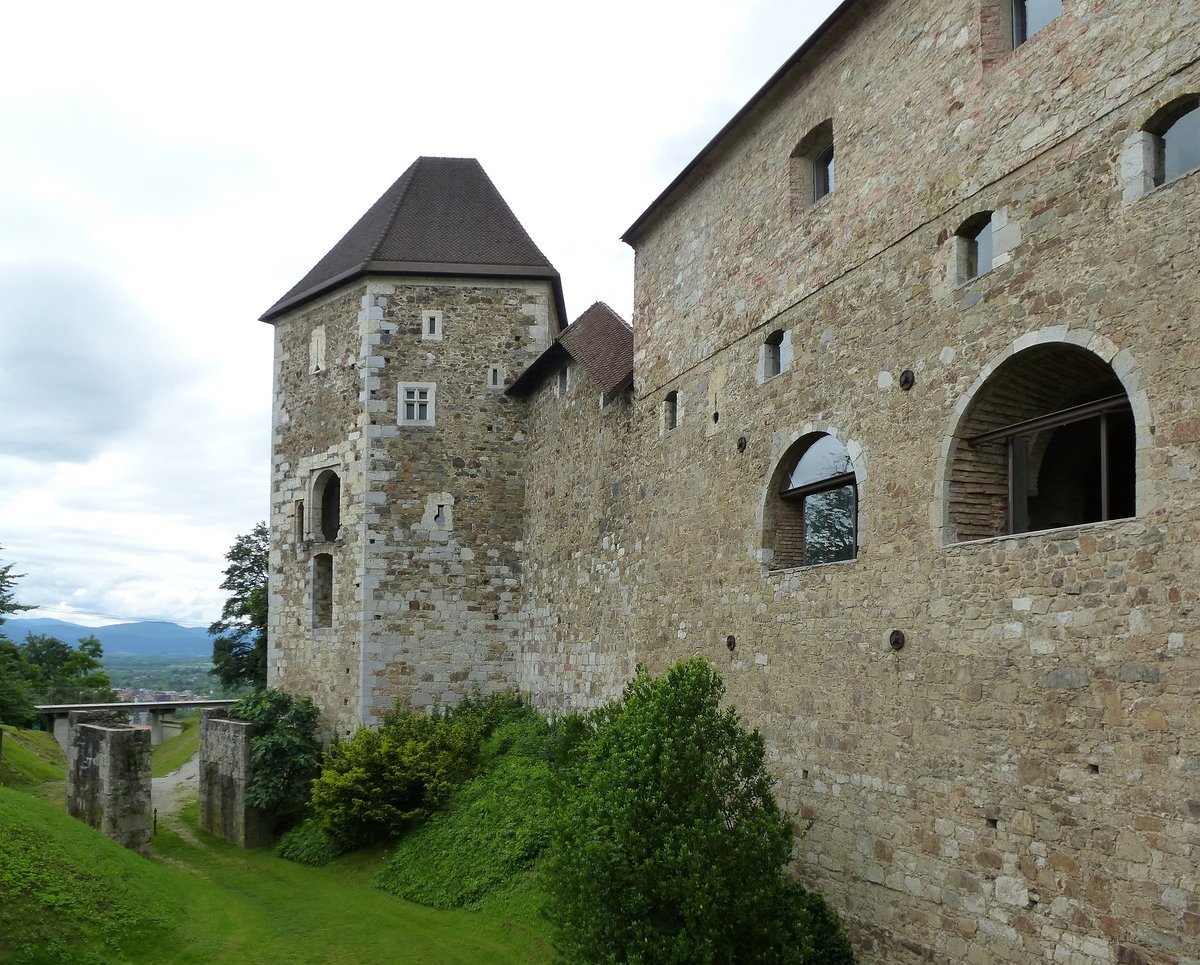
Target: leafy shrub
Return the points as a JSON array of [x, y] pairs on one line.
[[494, 829], [669, 846], [307, 843], [284, 751], [379, 783]]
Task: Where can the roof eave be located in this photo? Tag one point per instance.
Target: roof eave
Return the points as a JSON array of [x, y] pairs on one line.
[[630, 234], [286, 305]]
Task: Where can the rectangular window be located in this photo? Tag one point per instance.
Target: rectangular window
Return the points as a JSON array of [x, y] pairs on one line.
[[431, 326], [495, 377], [417, 403]]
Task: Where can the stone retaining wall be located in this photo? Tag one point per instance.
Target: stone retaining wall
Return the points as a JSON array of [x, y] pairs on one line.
[[108, 778]]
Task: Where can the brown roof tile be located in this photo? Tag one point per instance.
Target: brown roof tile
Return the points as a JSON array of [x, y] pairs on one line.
[[443, 216], [599, 340]]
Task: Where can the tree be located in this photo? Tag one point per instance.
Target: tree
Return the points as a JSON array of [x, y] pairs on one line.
[[8, 580], [60, 674], [670, 846], [16, 703], [240, 636], [285, 751]]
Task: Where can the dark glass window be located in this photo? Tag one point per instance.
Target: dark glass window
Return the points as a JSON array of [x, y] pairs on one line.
[[815, 514], [1180, 146], [1030, 16], [1048, 441], [772, 355], [823, 178], [977, 248]]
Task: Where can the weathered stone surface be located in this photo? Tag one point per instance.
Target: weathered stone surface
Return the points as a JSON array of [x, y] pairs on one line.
[[108, 778], [1016, 783], [225, 771]]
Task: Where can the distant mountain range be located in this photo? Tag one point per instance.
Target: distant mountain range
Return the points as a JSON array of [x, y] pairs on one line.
[[148, 639]]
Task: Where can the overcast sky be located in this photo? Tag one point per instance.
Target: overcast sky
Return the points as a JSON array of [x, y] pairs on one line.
[[167, 171]]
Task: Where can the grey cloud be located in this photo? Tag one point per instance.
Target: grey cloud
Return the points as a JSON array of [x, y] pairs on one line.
[[79, 364]]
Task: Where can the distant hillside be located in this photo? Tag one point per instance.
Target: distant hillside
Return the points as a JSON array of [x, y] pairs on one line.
[[149, 639]]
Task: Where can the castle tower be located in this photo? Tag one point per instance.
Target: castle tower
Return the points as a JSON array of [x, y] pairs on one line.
[[397, 458]]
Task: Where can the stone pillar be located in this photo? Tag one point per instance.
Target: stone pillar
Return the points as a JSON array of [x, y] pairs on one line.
[[108, 778], [225, 771], [61, 728]]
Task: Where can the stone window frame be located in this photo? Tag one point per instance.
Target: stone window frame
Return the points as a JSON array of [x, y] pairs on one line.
[[431, 325], [1142, 160], [1005, 236], [671, 412], [814, 152], [774, 355], [1126, 370], [787, 449], [562, 381], [429, 401], [496, 377]]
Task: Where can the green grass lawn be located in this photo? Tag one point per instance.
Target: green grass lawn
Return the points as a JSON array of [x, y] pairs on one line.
[[32, 761], [172, 754], [68, 894]]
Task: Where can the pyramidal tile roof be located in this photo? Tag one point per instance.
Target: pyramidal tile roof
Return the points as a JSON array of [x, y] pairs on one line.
[[443, 216]]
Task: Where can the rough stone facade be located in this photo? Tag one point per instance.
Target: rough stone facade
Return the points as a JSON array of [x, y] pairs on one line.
[[225, 771], [1016, 779], [426, 562], [108, 778]]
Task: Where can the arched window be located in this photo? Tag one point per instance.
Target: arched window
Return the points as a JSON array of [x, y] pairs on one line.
[[327, 501], [1176, 134], [812, 166], [812, 511], [1047, 441], [974, 246]]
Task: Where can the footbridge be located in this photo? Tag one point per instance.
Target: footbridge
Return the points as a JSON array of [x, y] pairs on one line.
[[57, 716]]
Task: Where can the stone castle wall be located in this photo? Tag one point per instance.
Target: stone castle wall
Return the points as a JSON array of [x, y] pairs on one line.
[[426, 560], [1018, 782]]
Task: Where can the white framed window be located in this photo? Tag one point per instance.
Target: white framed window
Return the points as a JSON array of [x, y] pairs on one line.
[[431, 326], [417, 403]]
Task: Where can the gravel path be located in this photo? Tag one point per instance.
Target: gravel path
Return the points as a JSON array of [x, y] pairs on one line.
[[169, 794]]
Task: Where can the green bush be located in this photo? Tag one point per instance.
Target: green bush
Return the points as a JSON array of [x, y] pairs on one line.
[[307, 843], [285, 751], [669, 846], [496, 826], [379, 783]]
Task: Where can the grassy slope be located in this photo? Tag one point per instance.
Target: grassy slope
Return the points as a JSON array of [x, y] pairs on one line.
[[172, 754], [71, 895], [32, 761]]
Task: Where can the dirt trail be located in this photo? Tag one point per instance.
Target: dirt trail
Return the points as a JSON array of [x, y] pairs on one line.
[[170, 793]]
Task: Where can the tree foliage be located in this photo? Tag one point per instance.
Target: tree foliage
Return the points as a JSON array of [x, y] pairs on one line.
[[670, 846], [240, 636], [285, 751], [379, 783]]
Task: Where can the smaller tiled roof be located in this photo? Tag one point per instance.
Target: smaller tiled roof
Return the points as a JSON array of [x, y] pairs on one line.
[[599, 340], [443, 216]]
